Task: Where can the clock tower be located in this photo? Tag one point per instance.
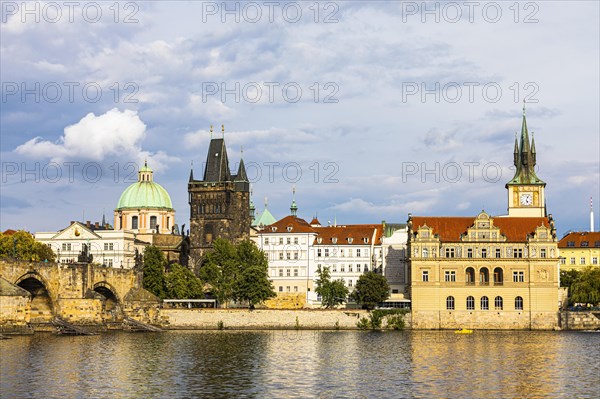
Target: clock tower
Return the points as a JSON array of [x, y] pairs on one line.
[[526, 196]]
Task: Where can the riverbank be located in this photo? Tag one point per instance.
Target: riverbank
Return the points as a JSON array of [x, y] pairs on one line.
[[261, 319], [274, 319]]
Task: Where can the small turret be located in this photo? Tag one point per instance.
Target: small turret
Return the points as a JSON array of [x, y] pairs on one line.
[[294, 207]]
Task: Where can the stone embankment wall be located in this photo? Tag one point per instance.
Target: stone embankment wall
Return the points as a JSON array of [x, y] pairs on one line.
[[580, 320], [259, 319], [484, 320]]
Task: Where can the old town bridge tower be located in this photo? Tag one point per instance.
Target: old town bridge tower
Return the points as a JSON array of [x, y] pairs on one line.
[[219, 203]]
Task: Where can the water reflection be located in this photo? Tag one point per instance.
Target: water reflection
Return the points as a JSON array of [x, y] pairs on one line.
[[302, 364]]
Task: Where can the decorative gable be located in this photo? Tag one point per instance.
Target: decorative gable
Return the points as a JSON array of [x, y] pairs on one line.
[[76, 231]]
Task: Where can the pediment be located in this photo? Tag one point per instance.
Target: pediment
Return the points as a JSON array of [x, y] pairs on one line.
[[76, 231]]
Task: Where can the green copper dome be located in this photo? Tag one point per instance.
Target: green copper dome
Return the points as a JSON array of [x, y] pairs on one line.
[[145, 193]]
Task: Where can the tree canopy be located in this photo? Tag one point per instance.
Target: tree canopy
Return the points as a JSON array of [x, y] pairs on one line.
[[237, 272], [371, 288], [22, 245], [181, 283], [154, 271], [178, 283], [586, 287], [332, 293]]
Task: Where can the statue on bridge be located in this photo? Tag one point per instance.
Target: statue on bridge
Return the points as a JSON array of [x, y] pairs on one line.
[[85, 256]]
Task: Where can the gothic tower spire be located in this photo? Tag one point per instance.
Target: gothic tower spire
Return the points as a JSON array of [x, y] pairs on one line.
[[525, 158]]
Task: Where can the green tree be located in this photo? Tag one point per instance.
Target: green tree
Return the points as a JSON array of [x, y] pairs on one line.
[[332, 293], [181, 283], [220, 270], [586, 288], [154, 271], [371, 288], [252, 283], [23, 245], [568, 277], [237, 272]]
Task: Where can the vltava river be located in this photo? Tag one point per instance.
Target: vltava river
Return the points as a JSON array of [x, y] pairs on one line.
[[304, 364]]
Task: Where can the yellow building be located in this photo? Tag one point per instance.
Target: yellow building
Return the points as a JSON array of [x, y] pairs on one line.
[[488, 272], [579, 250]]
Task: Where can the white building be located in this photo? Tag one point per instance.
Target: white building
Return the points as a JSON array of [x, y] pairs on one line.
[[395, 259], [296, 249], [111, 248]]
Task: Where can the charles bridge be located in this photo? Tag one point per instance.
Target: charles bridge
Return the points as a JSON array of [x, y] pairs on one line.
[[32, 294]]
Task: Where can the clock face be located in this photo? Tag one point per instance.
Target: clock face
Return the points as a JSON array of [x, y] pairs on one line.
[[526, 199]]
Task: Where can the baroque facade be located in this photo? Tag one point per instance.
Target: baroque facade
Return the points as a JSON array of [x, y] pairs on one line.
[[145, 206], [219, 203], [488, 272]]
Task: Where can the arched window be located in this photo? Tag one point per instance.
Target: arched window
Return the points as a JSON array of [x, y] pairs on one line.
[[134, 222], [152, 222], [485, 303], [484, 276], [470, 276], [470, 303], [450, 303], [518, 303], [498, 303], [498, 276]]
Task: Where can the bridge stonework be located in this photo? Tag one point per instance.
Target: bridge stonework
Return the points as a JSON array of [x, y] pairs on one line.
[[78, 293]]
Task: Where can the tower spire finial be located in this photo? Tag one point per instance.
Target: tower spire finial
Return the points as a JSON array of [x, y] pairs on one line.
[[294, 207], [223, 130], [523, 107], [211, 132]]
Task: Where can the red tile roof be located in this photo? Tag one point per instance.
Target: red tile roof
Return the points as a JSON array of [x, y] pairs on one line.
[[577, 238], [358, 232], [9, 232], [315, 221], [450, 229], [297, 226]]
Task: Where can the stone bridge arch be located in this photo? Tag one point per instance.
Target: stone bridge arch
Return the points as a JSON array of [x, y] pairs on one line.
[[112, 304], [43, 299]]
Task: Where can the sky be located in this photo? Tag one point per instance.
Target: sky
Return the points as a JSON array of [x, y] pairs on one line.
[[370, 110]]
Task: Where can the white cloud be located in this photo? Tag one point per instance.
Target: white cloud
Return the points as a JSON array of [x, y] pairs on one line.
[[114, 133]]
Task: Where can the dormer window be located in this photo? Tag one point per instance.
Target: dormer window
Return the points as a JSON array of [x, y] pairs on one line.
[[319, 240], [350, 239], [274, 228], [289, 228], [366, 240], [334, 240]]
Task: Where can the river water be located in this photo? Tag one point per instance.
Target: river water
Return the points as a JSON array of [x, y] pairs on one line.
[[302, 364]]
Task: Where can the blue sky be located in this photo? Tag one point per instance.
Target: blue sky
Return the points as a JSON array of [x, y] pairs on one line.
[[389, 108]]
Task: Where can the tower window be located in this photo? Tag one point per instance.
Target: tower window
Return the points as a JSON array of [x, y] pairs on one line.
[[134, 222], [152, 222]]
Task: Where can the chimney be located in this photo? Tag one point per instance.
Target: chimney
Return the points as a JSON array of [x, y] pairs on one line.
[[72, 221], [97, 225], [88, 223]]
